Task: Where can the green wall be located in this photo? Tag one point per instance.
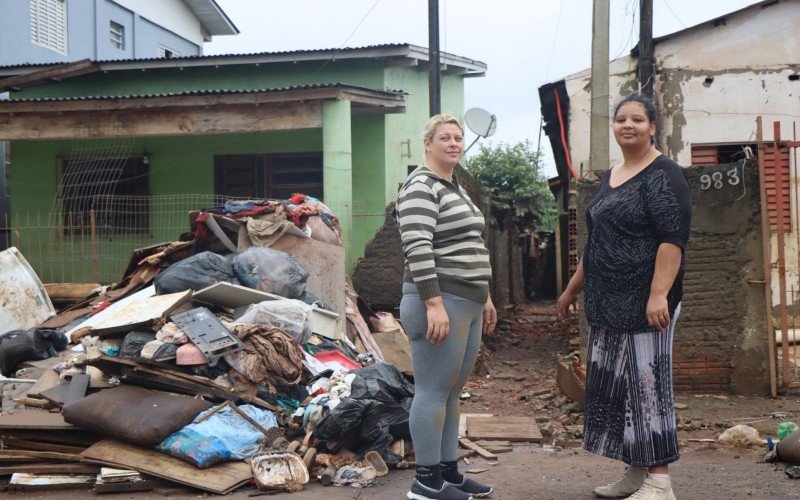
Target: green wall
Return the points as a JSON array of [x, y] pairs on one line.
[[183, 165]]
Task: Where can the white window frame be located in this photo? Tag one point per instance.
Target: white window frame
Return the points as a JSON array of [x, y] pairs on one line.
[[49, 24], [163, 51], [116, 33]]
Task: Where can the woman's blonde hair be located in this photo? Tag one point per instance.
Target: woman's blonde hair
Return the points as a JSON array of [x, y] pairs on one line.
[[441, 119]]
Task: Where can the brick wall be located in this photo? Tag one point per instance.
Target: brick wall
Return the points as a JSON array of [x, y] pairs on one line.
[[720, 338]]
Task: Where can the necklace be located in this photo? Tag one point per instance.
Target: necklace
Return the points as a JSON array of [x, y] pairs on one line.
[[636, 163]]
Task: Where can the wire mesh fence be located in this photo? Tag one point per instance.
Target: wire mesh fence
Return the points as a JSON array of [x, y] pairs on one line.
[[94, 245]]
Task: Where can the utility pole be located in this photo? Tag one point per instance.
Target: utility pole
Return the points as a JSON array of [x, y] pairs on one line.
[[646, 70], [434, 84], [598, 134]]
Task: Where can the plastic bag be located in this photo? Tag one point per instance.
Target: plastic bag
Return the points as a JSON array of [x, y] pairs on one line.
[[290, 315], [223, 436], [131, 346], [383, 382], [28, 345], [195, 273], [271, 271]]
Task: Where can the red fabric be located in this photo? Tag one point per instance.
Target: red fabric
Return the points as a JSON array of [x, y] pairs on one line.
[[297, 199]]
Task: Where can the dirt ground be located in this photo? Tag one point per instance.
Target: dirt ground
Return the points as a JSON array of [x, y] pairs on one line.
[[517, 378]]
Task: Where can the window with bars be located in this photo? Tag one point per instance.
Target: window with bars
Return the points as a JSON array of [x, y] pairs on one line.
[[115, 190], [49, 24], [167, 52], [269, 176], [116, 33]]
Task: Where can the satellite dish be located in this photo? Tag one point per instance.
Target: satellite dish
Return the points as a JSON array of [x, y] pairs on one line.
[[481, 122]]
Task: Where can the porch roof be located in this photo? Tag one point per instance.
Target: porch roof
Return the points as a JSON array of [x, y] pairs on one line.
[[186, 113]]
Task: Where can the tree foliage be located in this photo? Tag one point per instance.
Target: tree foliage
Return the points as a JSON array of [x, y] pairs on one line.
[[512, 175]]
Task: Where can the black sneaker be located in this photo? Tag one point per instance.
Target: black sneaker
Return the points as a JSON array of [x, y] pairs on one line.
[[447, 492], [473, 488]]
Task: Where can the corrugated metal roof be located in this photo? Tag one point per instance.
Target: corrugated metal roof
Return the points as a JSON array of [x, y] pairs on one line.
[[367, 51], [208, 92]]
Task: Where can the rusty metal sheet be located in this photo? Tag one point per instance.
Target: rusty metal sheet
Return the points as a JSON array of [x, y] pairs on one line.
[[23, 300]]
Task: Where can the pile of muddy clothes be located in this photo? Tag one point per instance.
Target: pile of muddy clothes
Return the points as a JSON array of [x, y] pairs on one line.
[[236, 356]]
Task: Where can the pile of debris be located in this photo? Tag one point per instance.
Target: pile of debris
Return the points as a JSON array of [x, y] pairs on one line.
[[252, 361]]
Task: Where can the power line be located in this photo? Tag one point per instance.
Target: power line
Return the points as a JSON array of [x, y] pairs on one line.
[[350, 35], [673, 13]]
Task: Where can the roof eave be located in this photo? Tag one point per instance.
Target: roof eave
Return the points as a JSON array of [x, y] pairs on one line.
[[212, 18]]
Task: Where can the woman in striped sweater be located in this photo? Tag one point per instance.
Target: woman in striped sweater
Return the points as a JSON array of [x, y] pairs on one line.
[[445, 308]]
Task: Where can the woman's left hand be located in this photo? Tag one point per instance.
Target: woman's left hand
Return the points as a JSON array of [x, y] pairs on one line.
[[489, 317], [658, 312]]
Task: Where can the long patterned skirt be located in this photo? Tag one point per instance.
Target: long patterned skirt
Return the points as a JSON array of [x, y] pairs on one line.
[[629, 410]]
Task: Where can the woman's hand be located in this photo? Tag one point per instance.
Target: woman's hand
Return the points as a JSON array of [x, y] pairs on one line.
[[567, 299], [657, 312], [489, 317], [438, 321]]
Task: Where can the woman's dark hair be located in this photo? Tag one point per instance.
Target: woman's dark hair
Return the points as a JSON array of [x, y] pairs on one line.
[[647, 104]]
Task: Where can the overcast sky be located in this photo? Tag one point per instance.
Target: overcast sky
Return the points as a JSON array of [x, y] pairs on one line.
[[525, 43]]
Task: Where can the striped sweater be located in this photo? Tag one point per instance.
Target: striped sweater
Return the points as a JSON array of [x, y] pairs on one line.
[[440, 229]]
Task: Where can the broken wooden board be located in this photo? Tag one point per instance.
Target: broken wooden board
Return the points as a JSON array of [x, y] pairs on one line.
[[462, 421], [77, 388], [508, 428], [466, 443], [47, 380], [325, 265], [48, 455], [496, 446], [220, 479], [141, 312], [34, 420]]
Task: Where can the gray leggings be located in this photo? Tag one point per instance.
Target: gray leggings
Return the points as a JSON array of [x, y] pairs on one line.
[[440, 372]]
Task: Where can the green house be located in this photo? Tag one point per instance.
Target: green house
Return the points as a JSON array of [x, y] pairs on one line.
[[109, 156]]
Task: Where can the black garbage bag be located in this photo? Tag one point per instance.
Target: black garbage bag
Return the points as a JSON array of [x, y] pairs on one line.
[[343, 424], [131, 346], [312, 300], [270, 271], [28, 345], [165, 352], [195, 273], [381, 381]]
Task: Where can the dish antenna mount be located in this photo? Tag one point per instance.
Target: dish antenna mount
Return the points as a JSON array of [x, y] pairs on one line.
[[480, 122]]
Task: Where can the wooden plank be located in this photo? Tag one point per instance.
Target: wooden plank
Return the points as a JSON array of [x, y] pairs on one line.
[[75, 438], [509, 428], [325, 265], [77, 388], [466, 443], [57, 73], [67, 468], [38, 445], [462, 421], [161, 122], [34, 420], [219, 479], [48, 380], [69, 292], [49, 455]]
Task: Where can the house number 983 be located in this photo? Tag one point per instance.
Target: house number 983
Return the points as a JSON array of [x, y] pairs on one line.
[[717, 180]]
